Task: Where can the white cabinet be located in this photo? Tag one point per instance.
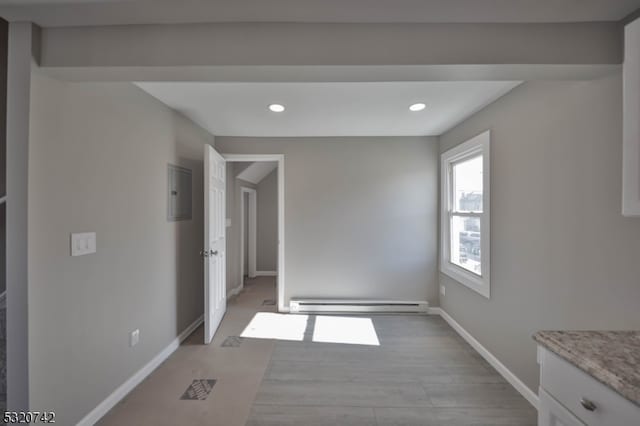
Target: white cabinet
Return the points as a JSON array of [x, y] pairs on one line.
[[631, 120], [551, 413], [570, 397]]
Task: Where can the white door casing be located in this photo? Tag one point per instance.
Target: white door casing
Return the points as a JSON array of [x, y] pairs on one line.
[[215, 280]]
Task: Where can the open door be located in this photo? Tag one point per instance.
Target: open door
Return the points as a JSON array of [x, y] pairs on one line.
[[215, 271]]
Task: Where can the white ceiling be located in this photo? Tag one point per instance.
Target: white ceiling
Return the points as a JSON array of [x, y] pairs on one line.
[[112, 12], [257, 171], [328, 109]]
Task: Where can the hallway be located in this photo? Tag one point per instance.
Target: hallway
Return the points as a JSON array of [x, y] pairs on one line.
[[324, 370], [237, 371]]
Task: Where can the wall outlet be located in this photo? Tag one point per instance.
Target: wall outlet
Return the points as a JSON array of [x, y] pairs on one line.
[[443, 290], [134, 338]]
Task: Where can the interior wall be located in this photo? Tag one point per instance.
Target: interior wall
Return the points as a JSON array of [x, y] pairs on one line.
[[234, 200], [98, 162], [4, 45], [267, 232], [245, 242], [360, 214], [231, 228], [562, 254]]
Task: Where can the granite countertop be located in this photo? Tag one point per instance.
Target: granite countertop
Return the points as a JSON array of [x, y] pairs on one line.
[[611, 357]]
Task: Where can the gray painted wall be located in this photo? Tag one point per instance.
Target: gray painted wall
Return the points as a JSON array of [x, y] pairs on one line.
[[98, 162], [562, 255], [22, 42], [234, 198], [232, 275], [267, 238], [245, 243], [4, 51], [361, 214]]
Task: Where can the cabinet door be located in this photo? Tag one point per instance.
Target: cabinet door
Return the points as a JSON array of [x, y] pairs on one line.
[[552, 413]]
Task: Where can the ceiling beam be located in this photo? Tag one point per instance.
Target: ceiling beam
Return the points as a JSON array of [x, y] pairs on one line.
[[61, 13], [333, 74], [199, 46]]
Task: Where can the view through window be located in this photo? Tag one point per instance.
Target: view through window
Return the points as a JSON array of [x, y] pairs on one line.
[[465, 217]]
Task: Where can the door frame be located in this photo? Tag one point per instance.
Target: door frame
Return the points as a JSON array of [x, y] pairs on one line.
[[279, 158], [252, 231]]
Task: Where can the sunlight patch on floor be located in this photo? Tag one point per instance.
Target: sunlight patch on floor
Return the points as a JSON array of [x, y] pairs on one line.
[[325, 329], [268, 325], [347, 330]]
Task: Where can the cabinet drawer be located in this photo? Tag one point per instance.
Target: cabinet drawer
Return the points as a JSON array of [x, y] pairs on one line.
[[552, 413], [570, 385]]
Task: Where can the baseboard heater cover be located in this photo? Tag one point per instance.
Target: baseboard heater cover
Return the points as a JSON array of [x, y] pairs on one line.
[[346, 305]]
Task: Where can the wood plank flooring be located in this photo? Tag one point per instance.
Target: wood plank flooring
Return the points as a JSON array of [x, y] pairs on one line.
[[422, 373]]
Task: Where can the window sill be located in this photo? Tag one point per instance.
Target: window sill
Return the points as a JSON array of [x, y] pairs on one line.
[[467, 279]]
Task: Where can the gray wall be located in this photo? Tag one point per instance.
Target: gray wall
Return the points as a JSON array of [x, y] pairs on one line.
[[98, 162], [361, 214], [23, 40], [267, 239], [234, 198], [4, 41], [245, 243], [562, 255]]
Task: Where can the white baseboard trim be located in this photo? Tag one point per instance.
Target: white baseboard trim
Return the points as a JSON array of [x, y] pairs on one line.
[[524, 390], [266, 273], [433, 311], [133, 381], [234, 291]]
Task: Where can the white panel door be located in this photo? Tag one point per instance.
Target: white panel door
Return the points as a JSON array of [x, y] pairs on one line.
[[215, 276]]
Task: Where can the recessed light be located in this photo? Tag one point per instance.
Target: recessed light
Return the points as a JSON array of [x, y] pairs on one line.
[[417, 107], [276, 107]]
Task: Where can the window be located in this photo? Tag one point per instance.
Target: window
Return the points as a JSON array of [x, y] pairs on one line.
[[465, 245]]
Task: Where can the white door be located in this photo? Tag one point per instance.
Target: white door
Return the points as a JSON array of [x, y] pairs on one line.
[[215, 276]]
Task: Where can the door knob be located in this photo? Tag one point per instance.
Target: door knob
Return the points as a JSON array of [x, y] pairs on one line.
[[214, 253], [204, 253]]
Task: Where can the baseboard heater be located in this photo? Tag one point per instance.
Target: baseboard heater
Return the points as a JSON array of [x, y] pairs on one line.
[[355, 306]]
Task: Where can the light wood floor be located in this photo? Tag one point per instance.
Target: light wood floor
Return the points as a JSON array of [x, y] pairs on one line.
[[422, 373]]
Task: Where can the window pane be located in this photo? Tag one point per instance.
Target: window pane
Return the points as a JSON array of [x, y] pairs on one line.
[[467, 181], [465, 243]]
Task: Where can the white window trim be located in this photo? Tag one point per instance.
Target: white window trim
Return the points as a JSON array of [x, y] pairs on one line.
[[480, 144]]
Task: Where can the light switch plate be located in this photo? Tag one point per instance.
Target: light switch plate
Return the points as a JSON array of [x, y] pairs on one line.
[[134, 338], [83, 243], [443, 290]]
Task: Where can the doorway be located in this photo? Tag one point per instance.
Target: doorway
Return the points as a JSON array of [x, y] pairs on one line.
[[249, 237]]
